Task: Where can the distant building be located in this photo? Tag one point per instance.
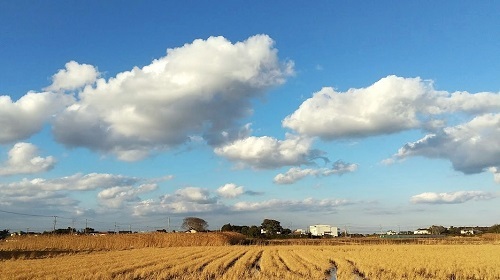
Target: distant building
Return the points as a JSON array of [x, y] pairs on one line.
[[299, 231], [322, 230], [469, 231], [391, 232], [422, 231]]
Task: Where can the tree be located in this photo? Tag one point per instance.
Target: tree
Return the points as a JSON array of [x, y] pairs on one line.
[[4, 233], [437, 230], [494, 228], [454, 230], [254, 231], [227, 227], [271, 227], [194, 223]]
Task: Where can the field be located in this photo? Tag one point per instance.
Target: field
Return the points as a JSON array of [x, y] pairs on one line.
[[25, 259]]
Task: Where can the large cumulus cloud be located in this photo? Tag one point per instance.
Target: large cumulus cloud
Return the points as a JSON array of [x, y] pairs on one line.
[[22, 118], [390, 105], [203, 88], [472, 147]]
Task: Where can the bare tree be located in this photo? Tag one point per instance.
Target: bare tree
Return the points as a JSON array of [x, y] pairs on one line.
[[194, 223]]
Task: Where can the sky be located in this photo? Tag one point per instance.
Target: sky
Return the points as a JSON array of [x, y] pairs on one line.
[[365, 115]]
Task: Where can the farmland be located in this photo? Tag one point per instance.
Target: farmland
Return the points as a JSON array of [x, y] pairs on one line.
[[131, 257]]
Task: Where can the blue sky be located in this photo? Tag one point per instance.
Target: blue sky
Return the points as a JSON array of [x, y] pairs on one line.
[[368, 116]]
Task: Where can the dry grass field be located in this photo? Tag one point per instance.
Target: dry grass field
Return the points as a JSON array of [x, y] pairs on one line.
[[221, 260]]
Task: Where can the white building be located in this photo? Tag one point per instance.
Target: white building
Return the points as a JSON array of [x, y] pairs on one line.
[[468, 232], [321, 230], [422, 231]]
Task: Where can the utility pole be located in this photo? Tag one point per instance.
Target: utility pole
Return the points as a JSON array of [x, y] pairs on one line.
[[115, 227], [55, 222], [168, 224]]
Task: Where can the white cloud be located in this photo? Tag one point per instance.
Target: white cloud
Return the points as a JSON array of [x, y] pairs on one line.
[[115, 197], [496, 173], [230, 190], [193, 194], [186, 200], [26, 116], [339, 167], [450, 198], [24, 159], [203, 88], [197, 200], [267, 152], [59, 192], [391, 105], [77, 182], [73, 77], [308, 204], [472, 147], [295, 174]]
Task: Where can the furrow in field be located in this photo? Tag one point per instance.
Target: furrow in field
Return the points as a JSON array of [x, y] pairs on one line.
[[219, 266], [246, 267], [191, 268]]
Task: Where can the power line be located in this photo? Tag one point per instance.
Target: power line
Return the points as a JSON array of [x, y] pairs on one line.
[[24, 214]]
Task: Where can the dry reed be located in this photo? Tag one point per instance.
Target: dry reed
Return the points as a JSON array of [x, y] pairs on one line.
[[118, 242]]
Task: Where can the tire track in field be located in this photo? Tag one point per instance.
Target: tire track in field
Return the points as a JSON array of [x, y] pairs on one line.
[[255, 266], [356, 271]]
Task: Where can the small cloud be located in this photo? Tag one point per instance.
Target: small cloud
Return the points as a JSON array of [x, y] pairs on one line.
[[295, 174], [451, 197], [24, 159], [308, 204], [253, 193], [388, 161], [115, 197], [73, 77], [268, 152], [496, 173], [185, 200], [230, 190]]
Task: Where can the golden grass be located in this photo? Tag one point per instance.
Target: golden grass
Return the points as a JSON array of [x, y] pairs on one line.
[[267, 262], [118, 242]]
